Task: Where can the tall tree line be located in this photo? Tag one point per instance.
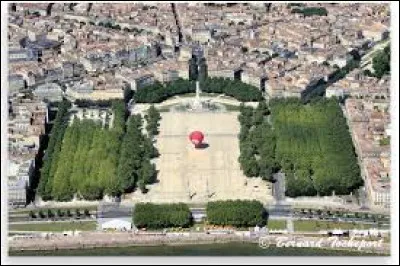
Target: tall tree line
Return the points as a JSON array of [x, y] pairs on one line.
[[257, 142], [53, 148], [135, 168], [159, 92], [241, 91], [153, 118]]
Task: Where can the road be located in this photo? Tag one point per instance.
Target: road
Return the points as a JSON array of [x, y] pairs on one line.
[[279, 187]]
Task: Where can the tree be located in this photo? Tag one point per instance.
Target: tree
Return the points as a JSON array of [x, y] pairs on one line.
[[368, 73], [381, 62], [60, 213], [142, 186], [41, 214], [50, 213], [152, 117], [148, 172]]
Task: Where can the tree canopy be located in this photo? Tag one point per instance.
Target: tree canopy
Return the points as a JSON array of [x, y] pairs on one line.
[[311, 11], [156, 216], [239, 213], [89, 161], [53, 149], [314, 148], [158, 92], [152, 118], [241, 91], [381, 62], [310, 143], [257, 142], [137, 149]]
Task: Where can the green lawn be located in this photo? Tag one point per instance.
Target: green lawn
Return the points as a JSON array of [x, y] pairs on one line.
[[325, 225], [276, 224], [54, 226]]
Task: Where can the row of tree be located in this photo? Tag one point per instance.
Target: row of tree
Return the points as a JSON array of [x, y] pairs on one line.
[[153, 118], [314, 148], [87, 163], [257, 142], [134, 167], [234, 88], [60, 213], [159, 92], [86, 103], [239, 213], [51, 155], [156, 216]]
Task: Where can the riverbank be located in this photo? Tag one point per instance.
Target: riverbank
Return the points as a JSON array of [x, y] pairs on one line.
[[225, 249]]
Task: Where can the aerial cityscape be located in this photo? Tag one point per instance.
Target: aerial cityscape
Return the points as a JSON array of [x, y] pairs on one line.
[[215, 127]]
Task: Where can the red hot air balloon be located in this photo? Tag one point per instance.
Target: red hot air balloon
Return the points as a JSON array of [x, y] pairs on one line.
[[196, 137]]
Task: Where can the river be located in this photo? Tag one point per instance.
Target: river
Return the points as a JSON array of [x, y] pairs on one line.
[[231, 249]]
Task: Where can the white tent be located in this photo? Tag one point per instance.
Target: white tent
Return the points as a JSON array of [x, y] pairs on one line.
[[117, 224]]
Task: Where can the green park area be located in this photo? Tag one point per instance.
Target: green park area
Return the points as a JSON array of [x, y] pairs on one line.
[[87, 161], [310, 143], [276, 224]]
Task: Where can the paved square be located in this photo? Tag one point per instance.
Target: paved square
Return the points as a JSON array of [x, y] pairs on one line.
[[187, 174]]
